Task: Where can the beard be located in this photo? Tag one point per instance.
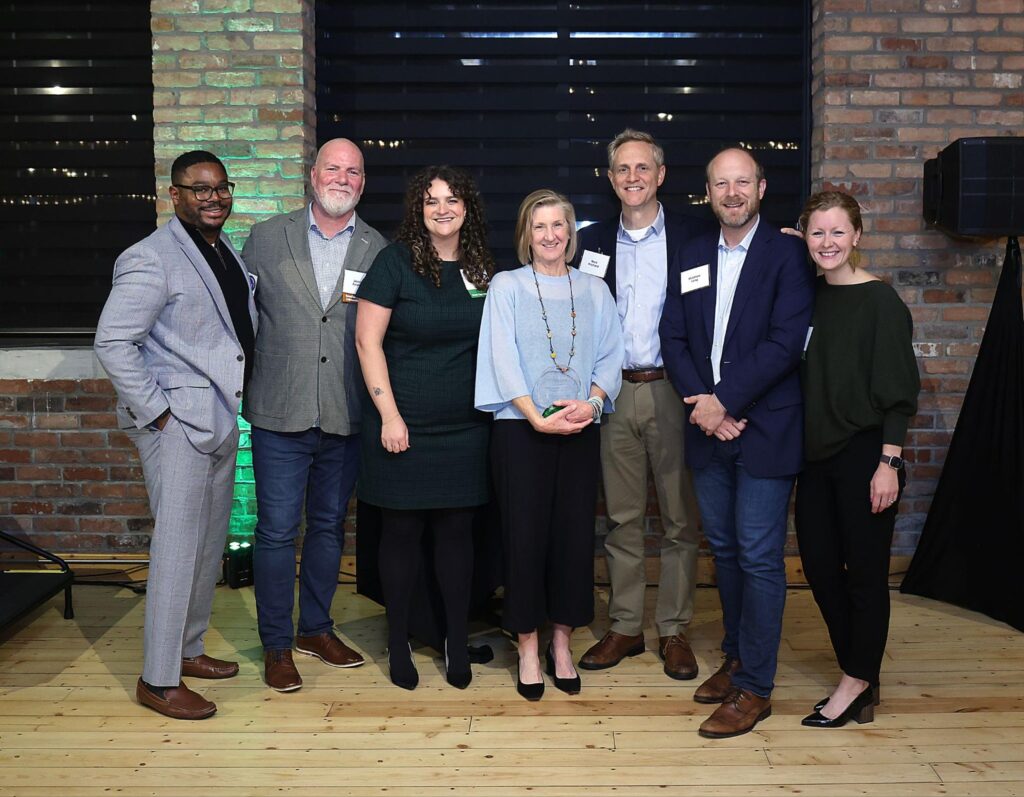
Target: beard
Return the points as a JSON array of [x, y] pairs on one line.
[[746, 214], [334, 204]]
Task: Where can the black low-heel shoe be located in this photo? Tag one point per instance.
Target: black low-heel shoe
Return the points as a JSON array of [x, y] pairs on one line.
[[824, 701], [861, 710], [571, 686], [458, 678], [531, 692], [404, 675]]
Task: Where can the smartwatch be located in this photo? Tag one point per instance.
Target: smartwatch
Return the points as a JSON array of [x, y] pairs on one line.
[[896, 463]]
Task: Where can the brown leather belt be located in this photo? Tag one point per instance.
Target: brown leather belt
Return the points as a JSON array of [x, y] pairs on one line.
[[636, 375]]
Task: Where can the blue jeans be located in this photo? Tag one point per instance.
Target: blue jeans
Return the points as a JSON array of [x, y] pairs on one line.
[[292, 468], [744, 520]]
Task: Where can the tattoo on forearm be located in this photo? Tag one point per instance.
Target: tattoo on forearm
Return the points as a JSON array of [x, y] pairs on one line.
[[377, 391]]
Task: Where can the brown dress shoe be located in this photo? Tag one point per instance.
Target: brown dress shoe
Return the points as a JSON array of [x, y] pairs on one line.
[[680, 662], [738, 714], [612, 649], [177, 702], [208, 667], [715, 688], [329, 649], [279, 671]]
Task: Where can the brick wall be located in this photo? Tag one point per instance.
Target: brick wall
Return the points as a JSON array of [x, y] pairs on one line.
[[895, 82], [236, 77]]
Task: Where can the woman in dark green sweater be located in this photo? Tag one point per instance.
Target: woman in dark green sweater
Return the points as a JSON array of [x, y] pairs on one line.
[[860, 384]]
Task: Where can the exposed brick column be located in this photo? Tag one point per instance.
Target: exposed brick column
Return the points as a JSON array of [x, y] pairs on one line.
[[236, 77], [895, 82]]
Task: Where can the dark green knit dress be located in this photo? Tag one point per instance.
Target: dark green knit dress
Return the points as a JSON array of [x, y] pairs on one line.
[[430, 346]]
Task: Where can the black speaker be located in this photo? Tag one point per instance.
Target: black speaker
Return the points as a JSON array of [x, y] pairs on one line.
[[975, 186]]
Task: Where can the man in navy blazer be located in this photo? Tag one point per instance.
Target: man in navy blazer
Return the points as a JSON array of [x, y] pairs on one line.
[[732, 332], [632, 252]]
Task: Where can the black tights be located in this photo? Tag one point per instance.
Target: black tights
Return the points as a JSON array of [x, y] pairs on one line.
[[401, 558]]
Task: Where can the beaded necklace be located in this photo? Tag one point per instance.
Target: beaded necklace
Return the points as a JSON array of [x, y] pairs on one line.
[[572, 315]]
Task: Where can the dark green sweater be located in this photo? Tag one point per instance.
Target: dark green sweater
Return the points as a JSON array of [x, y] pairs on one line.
[[859, 371]]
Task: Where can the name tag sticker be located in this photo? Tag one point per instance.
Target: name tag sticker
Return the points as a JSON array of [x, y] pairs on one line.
[[474, 292], [253, 279], [695, 278], [350, 285], [594, 263], [807, 340]]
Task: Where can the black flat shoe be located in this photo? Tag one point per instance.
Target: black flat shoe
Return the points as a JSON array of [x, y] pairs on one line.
[[824, 701], [531, 692], [458, 677], [571, 686], [861, 710], [402, 670]]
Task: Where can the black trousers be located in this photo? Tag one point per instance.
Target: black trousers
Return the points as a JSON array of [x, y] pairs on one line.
[[845, 551], [546, 489]]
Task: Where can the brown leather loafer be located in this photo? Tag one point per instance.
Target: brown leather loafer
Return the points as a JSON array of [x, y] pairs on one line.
[[715, 688], [612, 649], [738, 714], [279, 671], [178, 702], [680, 663], [329, 649], [208, 667]]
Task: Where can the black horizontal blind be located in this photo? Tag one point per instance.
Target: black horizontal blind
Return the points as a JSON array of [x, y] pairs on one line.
[[76, 157], [527, 93]]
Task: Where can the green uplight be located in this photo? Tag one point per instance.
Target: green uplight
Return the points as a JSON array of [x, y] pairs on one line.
[[243, 504]]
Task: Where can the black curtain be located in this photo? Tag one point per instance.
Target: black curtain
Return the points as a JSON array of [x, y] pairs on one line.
[[972, 547]]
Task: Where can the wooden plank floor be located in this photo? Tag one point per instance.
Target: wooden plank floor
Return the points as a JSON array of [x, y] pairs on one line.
[[951, 721]]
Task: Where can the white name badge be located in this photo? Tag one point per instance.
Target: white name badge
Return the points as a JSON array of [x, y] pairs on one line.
[[594, 263], [807, 340], [694, 278], [350, 285], [473, 291]]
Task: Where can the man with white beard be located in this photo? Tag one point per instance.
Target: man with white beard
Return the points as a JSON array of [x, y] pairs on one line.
[[303, 403]]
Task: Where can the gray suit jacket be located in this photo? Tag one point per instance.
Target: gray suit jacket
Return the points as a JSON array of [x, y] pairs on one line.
[[306, 367], [166, 340]]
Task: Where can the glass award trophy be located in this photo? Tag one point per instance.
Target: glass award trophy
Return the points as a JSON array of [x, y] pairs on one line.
[[555, 384]]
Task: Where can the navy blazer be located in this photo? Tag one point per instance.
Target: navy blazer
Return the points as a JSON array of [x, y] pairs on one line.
[[765, 338], [602, 238]]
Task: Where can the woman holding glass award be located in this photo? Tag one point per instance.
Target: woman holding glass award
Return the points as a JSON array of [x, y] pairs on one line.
[[549, 363]]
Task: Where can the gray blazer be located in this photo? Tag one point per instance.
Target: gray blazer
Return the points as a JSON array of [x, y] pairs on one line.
[[305, 367], [166, 340]]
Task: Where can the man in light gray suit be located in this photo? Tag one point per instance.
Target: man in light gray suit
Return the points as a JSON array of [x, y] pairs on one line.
[[176, 338], [303, 404]]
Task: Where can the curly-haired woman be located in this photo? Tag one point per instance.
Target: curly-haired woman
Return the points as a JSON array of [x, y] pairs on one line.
[[424, 446]]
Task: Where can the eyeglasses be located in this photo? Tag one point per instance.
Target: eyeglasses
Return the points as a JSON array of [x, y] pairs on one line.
[[204, 192]]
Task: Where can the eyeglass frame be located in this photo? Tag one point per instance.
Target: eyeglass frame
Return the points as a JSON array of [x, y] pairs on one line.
[[212, 189]]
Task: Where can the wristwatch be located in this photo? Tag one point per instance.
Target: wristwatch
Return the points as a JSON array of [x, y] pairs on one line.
[[896, 463]]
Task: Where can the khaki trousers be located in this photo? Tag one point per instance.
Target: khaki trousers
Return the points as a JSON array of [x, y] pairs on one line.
[[647, 426]]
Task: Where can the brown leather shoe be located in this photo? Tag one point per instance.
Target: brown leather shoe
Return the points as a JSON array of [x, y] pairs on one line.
[[612, 649], [329, 649], [739, 713], [178, 702], [279, 671], [208, 667], [715, 688], [680, 663]]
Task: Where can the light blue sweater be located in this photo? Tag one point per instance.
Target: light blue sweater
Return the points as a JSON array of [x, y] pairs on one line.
[[513, 350]]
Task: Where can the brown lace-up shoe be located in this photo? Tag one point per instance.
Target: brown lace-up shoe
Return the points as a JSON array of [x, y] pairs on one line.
[[612, 649], [739, 713], [680, 662], [329, 649], [208, 667], [715, 688], [279, 671], [177, 702]]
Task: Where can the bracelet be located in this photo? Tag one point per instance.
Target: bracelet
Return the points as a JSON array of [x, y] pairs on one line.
[[598, 405]]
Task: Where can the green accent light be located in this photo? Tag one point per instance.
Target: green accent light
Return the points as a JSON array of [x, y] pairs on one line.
[[243, 504]]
